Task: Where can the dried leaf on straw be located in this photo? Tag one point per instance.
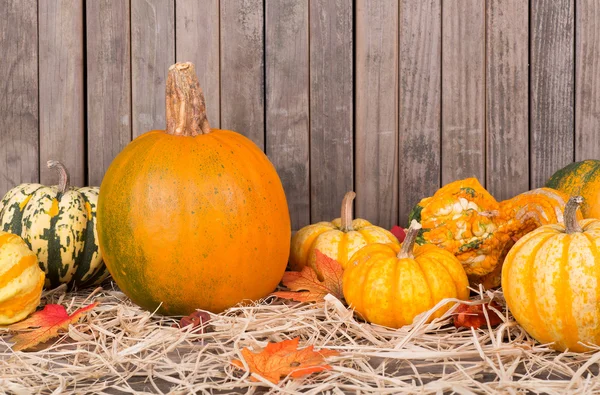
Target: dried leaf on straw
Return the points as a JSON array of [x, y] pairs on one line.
[[305, 285], [474, 316], [48, 322], [281, 359]]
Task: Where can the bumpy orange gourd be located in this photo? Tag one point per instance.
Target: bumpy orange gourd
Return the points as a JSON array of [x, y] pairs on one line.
[[551, 282], [21, 279], [192, 217], [338, 239], [580, 178], [465, 219], [390, 286]]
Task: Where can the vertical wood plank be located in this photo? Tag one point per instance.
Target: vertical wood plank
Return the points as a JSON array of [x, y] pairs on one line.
[[152, 52], [197, 41], [463, 90], [108, 83], [587, 88], [62, 129], [242, 68], [420, 102], [507, 97], [377, 111], [287, 116], [552, 84], [18, 93], [331, 106]]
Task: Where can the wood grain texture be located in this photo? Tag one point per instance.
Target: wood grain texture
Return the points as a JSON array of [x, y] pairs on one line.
[[108, 83], [197, 41], [376, 110], [552, 88], [287, 112], [507, 98], [242, 68], [587, 85], [463, 90], [152, 53], [62, 128], [419, 103], [331, 106], [18, 93]]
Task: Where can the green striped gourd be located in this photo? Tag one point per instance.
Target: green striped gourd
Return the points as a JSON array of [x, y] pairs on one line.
[[58, 223]]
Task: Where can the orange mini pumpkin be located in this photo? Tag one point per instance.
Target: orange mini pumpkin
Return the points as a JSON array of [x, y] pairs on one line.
[[389, 285], [192, 217], [338, 239]]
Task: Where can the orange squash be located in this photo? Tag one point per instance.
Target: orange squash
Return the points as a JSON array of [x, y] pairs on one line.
[[551, 280], [389, 285], [192, 217]]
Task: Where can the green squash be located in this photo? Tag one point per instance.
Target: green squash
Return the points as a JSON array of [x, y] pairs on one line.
[[58, 223], [580, 179]]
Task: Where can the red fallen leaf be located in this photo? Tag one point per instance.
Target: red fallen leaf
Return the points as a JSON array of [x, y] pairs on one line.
[[199, 321], [398, 232], [473, 316], [307, 285], [48, 322], [283, 359]]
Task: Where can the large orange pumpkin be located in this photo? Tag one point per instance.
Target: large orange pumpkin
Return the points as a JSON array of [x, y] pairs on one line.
[[192, 217]]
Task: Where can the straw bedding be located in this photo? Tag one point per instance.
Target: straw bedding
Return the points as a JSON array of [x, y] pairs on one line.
[[119, 348]]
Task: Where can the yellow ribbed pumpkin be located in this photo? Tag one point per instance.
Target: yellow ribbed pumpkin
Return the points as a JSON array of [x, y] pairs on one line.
[[338, 239], [551, 282], [390, 286], [21, 279]]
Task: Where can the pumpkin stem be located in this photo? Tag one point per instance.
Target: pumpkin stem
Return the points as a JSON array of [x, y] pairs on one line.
[[63, 175], [570, 216], [409, 240], [186, 108], [346, 216]]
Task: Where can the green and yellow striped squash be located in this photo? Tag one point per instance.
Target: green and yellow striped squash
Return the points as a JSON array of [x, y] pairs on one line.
[[21, 279], [551, 282], [58, 223], [583, 179]]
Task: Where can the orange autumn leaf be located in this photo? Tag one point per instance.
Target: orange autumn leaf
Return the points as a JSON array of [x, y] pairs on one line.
[[473, 316], [283, 358], [48, 322], [306, 286]]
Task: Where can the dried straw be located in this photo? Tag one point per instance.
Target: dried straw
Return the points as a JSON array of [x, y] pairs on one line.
[[120, 348]]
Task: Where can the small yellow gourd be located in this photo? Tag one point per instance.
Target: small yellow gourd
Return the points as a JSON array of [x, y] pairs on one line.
[[338, 239], [21, 279]]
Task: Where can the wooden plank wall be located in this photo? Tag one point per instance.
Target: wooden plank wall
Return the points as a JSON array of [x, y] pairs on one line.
[[391, 98]]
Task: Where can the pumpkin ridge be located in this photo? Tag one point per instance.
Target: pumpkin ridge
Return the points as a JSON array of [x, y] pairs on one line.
[[596, 255], [530, 292], [564, 299], [84, 274]]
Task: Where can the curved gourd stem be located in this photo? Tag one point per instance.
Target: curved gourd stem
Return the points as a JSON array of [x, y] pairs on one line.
[[409, 242], [63, 175], [346, 215], [186, 108], [570, 216]]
